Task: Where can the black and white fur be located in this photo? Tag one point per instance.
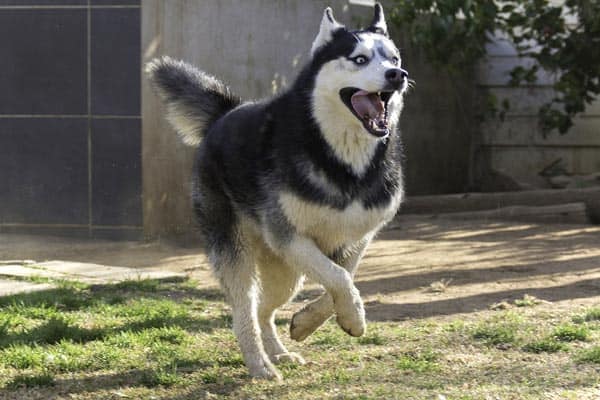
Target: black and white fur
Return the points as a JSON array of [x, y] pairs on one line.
[[293, 186]]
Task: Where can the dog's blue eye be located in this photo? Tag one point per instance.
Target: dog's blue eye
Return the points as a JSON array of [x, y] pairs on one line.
[[395, 60], [360, 60]]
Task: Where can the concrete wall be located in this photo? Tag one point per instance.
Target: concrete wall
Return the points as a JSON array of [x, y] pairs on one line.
[[257, 47], [438, 123], [516, 146]]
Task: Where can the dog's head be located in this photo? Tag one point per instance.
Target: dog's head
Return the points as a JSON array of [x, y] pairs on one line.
[[361, 71]]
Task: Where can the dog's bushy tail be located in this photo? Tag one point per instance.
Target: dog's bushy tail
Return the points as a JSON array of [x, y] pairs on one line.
[[194, 99]]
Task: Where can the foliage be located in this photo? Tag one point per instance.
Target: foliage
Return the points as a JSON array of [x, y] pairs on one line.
[[561, 40]]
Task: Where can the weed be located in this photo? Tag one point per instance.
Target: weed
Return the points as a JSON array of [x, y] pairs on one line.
[[161, 377], [592, 315], [6, 321], [372, 338], [591, 355], [438, 286], [570, 333], [418, 362], [142, 285], [495, 334], [324, 339], [549, 345], [336, 376], [210, 376], [527, 301], [22, 356]]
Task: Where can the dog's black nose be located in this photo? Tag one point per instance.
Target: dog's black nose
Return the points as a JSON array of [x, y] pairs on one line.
[[396, 76]]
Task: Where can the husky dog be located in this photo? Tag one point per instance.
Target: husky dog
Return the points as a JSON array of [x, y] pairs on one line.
[[296, 185]]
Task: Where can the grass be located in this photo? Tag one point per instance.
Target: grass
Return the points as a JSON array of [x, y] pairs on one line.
[[591, 355], [591, 315], [418, 361], [35, 380], [547, 345], [500, 331], [162, 340], [570, 333]]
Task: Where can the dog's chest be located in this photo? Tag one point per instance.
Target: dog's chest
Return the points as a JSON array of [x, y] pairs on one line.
[[332, 228]]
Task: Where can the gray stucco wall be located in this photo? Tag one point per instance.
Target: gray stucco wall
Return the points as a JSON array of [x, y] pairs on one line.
[[257, 47], [516, 146]]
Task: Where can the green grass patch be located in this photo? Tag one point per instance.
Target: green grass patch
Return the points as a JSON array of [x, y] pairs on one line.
[[119, 327], [20, 356], [143, 285], [527, 301], [591, 355], [592, 315], [338, 376], [424, 361], [548, 345], [374, 339], [170, 340], [495, 334], [570, 333], [162, 377], [42, 379], [6, 321]]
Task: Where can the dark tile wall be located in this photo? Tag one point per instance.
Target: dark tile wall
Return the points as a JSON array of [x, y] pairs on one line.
[[43, 61], [70, 125], [116, 172], [43, 164], [43, 2], [112, 66]]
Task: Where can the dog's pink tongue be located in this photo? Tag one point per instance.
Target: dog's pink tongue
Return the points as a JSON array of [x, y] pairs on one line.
[[365, 103]]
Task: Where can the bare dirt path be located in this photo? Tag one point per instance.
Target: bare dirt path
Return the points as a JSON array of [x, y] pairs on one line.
[[420, 267]]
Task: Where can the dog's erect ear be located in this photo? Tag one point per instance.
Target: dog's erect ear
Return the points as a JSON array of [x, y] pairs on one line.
[[378, 25], [328, 26]]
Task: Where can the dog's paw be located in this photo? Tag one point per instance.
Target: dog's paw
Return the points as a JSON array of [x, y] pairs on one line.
[[288, 358], [351, 315], [305, 322], [265, 371]]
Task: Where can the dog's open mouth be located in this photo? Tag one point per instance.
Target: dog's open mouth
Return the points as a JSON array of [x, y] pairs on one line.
[[370, 108]]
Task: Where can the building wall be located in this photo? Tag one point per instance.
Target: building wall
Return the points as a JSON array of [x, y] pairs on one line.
[[257, 47], [70, 126], [516, 146]]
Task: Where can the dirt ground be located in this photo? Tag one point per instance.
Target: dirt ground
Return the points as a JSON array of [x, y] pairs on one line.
[[419, 267]]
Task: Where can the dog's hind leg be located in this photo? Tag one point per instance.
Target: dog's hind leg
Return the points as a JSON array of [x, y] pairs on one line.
[[234, 263], [237, 272], [314, 314], [279, 283]]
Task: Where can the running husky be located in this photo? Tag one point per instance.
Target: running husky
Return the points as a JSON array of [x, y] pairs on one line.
[[294, 186]]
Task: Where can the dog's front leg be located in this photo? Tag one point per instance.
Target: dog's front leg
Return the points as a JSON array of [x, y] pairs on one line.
[[302, 253], [314, 314]]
